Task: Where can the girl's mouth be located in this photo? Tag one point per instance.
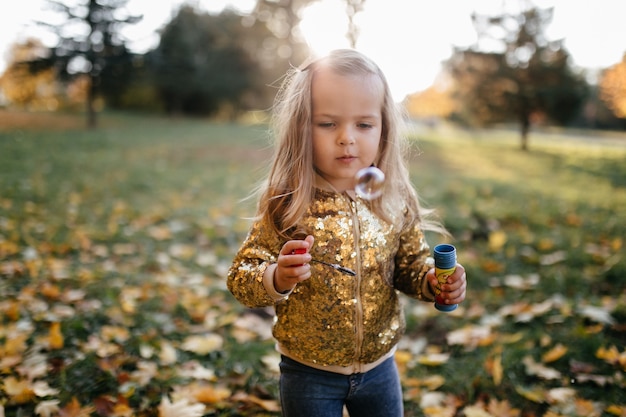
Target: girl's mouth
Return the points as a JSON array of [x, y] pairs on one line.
[[347, 158]]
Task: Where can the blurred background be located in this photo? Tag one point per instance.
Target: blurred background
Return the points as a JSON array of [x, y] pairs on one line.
[[132, 133], [474, 62]]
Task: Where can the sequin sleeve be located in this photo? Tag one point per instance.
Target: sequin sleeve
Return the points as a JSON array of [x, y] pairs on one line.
[[412, 263], [245, 276]]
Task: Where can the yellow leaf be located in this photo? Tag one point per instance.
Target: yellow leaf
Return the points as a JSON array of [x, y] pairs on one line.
[[502, 408], [433, 382], [586, 407], [203, 344], [50, 291], [554, 354], [161, 232], [15, 345], [545, 244], [55, 337], [497, 239], [497, 370], [475, 411], [19, 391], [116, 333], [617, 410], [122, 410], [439, 411], [74, 409], [535, 394], [612, 355], [211, 395], [433, 359], [168, 354]]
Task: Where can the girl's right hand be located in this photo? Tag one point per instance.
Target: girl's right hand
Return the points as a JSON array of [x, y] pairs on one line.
[[292, 265]]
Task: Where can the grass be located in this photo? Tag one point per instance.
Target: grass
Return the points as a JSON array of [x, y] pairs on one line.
[[123, 236]]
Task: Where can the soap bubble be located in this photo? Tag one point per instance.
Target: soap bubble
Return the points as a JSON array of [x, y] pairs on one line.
[[369, 183]]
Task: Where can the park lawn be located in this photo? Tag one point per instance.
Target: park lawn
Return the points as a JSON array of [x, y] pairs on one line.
[[114, 245]]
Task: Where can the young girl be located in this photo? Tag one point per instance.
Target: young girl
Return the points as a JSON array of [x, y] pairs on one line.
[[337, 327]]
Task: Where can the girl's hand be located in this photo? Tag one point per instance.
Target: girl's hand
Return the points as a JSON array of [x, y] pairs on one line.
[[292, 267], [453, 291]]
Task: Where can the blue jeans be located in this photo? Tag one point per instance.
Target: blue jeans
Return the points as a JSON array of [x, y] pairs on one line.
[[310, 392]]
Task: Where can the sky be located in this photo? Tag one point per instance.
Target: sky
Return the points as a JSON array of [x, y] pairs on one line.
[[407, 38]]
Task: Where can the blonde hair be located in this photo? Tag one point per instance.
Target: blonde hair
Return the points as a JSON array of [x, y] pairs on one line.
[[289, 188]]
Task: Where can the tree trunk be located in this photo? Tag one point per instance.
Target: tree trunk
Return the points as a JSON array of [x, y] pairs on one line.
[[524, 132], [91, 98]]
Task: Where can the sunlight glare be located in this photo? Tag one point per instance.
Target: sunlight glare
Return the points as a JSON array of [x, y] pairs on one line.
[[324, 26]]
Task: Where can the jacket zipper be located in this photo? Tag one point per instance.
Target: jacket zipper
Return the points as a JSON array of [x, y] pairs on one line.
[[358, 303]]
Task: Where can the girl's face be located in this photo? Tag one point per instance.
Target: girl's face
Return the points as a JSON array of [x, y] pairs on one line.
[[347, 124]]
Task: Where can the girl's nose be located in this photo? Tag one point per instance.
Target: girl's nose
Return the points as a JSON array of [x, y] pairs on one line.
[[346, 137]]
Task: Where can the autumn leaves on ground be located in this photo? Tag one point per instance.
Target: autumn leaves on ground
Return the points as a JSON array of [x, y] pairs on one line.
[[114, 245]]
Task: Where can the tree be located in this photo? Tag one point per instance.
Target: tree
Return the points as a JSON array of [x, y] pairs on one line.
[[435, 102], [89, 43], [530, 77], [613, 88], [282, 18], [24, 89], [200, 64]]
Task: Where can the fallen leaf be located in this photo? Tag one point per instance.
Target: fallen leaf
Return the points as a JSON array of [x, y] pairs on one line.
[[554, 354], [209, 394], [267, 405], [145, 372], [535, 394], [19, 391], [180, 408], [553, 258], [433, 382], [612, 356], [168, 353], [587, 408], [433, 359], [47, 408], [597, 314], [439, 411], [55, 337], [74, 409], [476, 411], [496, 369], [272, 362], [497, 239], [617, 410], [42, 389], [203, 345], [502, 409], [560, 395], [537, 369], [122, 409], [433, 399], [470, 335], [15, 345], [195, 370]]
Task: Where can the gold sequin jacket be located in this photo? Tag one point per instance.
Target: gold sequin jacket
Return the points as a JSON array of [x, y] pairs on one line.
[[334, 319]]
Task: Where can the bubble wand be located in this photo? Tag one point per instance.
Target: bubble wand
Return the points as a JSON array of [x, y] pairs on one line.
[[369, 186]]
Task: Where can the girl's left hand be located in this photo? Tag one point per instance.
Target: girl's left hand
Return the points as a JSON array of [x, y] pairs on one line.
[[453, 291]]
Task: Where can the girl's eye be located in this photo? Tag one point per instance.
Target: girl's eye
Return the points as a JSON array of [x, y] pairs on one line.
[[365, 126], [325, 124]]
